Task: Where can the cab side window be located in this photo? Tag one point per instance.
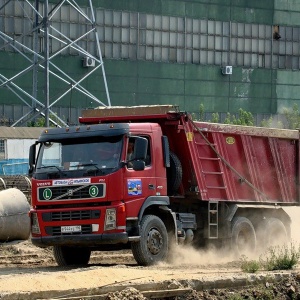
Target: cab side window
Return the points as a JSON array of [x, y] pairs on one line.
[[130, 150]]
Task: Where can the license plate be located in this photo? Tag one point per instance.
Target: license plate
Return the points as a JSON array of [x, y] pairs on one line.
[[76, 228]]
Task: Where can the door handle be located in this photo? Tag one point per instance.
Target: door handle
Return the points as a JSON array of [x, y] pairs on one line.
[[151, 186]]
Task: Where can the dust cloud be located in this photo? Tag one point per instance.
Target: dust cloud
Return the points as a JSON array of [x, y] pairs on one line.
[[182, 255], [187, 255], [294, 213]]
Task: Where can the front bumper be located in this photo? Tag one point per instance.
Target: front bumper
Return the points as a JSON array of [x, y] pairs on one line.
[[88, 240]]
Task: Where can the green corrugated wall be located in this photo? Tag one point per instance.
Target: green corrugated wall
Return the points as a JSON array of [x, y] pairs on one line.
[[138, 82]]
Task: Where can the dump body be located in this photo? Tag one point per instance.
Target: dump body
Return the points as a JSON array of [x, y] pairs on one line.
[[242, 164]]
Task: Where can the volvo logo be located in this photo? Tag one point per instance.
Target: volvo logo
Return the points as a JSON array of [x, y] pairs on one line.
[[70, 192]]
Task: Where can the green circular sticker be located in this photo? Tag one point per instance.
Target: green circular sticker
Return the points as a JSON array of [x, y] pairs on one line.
[[93, 191], [47, 194]]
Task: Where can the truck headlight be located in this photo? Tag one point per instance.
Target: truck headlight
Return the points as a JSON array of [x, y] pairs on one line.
[[35, 227], [110, 219]]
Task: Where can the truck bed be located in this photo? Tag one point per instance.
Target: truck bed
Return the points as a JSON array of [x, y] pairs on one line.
[[243, 163]]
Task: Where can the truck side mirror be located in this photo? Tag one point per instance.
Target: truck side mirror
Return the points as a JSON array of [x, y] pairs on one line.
[[32, 154], [140, 148], [138, 165]]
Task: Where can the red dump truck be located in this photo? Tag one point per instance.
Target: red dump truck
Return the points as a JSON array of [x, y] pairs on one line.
[[186, 182]]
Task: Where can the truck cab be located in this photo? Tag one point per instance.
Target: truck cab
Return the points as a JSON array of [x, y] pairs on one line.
[[89, 194]]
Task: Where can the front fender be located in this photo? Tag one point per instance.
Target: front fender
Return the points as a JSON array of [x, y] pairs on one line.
[[158, 205], [153, 201]]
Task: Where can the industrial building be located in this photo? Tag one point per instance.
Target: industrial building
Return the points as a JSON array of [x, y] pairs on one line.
[[14, 149], [224, 54]]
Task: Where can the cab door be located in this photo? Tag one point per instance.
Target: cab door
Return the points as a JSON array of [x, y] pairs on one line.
[[138, 185]]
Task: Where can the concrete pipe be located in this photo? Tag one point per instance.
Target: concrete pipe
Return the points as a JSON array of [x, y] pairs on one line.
[[14, 218]]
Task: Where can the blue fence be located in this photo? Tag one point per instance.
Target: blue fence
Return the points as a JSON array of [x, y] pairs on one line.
[[14, 167]]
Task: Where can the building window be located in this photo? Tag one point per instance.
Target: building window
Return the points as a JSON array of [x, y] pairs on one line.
[[2, 149], [160, 38]]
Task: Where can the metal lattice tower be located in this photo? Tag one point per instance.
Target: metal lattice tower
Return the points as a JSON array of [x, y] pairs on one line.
[[40, 60]]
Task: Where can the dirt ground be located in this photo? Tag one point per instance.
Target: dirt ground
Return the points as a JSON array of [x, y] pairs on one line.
[[28, 272]]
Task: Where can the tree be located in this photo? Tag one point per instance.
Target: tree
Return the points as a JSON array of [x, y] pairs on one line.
[[244, 118], [292, 116]]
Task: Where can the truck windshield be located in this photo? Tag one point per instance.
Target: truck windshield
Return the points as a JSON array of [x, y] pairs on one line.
[[80, 158]]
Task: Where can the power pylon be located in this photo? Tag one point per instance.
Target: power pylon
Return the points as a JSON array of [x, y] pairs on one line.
[[41, 21]]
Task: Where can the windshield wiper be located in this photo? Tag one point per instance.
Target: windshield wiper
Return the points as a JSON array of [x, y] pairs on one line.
[[91, 170], [89, 165], [45, 167]]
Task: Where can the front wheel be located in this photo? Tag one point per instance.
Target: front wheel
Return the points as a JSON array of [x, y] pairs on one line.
[[66, 256], [153, 245]]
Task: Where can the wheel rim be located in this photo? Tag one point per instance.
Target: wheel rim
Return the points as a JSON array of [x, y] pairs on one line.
[[277, 237], [244, 241], [154, 241]]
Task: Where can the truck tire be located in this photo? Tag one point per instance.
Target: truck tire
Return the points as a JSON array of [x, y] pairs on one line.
[[174, 174], [153, 245], [243, 236], [275, 233], [65, 256]]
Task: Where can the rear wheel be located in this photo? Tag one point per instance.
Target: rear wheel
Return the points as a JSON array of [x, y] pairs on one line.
[[243, 239], [276, 233], [153, 245], [65, 256]]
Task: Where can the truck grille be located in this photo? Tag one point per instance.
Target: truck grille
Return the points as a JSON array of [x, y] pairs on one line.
[[71, 192], [71, 215], [56, 230]]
